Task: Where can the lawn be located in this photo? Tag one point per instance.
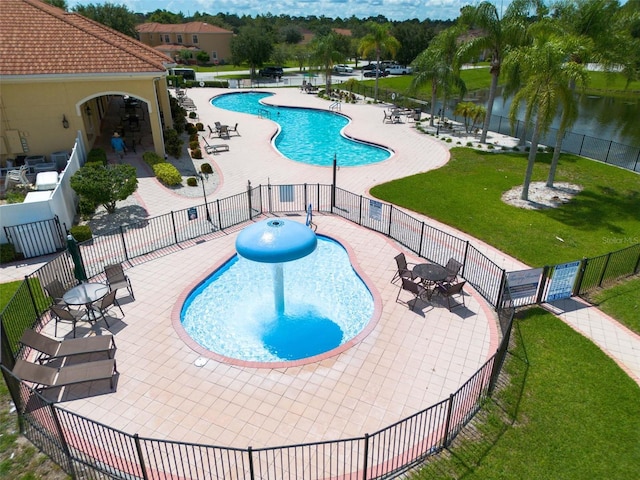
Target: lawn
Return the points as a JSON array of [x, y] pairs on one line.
[[466, 194], [19, 459], [572, 414], [621, 301]]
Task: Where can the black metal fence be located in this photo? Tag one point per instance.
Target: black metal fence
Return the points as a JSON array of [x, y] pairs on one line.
[[602, 271], [83, 447]]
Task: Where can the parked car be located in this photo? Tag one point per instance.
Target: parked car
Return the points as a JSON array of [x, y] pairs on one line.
[[371, 66], [398, 70], [271, 72], [372, 73], [342, 69]]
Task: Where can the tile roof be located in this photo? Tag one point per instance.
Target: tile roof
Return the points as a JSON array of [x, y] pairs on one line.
[[37, 38], [191, 27]]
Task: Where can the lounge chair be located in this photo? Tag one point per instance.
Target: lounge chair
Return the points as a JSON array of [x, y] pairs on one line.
[[453, 268], [212, 132], [403, 270], [45, 376], [417, 290], [116, 278], [61, 314], [234, 129], [56, 291], [448, 291], [105, 303], [49, 348], [221, 147]]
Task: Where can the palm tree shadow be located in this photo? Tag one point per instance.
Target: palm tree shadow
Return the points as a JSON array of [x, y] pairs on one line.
[[598, 209]]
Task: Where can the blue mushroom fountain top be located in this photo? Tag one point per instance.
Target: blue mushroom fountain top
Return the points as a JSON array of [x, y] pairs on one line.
[[276, 241]]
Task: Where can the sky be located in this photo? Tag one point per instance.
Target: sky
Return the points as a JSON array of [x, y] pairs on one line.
[[391, 9]]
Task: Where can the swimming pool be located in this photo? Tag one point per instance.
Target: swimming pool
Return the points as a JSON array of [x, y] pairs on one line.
[[232, 312], [307, 135]]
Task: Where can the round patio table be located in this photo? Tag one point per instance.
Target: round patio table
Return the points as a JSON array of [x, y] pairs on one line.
[[86, 294], [430, 272]]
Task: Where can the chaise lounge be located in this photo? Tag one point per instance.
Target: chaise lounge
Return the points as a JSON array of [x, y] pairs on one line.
[[49, 348], [43, 376]]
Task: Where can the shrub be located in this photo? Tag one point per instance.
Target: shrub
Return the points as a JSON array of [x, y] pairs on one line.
[[86, 207], [81, 233], [490, 147], [206, 168], [192, 129], [194, 136], [448, 140], [7, 252], [167, 174], [196, 153], [15, 196], [97, 155], [193, 144], [192, 181], [469, 144], [193, 115], [173, 143], [152, 158], [200, 126]]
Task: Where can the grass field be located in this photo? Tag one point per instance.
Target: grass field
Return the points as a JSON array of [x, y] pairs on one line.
[[569, 412], [466, 194]]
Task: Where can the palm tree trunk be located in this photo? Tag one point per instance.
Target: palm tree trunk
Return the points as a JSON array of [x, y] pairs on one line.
[[434, 99], [375, 93], [492, 95], [532, 159], [556, 156]]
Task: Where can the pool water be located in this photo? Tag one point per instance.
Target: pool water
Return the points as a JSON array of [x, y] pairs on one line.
[[232, 313], [307, 135]]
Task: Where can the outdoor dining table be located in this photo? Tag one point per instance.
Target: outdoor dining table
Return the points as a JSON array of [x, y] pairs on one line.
[[85, 295], [430, 272]]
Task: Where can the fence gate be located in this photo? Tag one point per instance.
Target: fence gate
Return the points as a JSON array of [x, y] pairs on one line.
[[36, 238]]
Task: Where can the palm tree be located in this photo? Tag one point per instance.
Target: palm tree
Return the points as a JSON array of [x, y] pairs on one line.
[[378, 40], [472, 113], [325, 51], [545, 87], [496, 36], [438, 66]]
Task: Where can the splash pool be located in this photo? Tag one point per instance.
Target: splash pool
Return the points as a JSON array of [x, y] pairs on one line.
[[232, 312], [307, 135]]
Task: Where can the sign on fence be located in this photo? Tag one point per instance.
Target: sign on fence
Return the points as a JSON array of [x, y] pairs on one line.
[[562, 281], [375, 210], [192, 213], [523, 286]]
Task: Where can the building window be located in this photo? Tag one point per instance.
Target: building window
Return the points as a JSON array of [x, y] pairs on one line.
[[194, 39], [166, 39], [179, 38]]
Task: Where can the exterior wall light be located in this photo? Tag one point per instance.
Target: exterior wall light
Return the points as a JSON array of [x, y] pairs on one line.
[[65, 122]]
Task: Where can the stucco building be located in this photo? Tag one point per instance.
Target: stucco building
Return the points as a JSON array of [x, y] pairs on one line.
[[58, 73], [194, 37]]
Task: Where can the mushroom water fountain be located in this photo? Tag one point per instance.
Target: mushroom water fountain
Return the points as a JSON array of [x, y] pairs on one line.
[[276, 241]]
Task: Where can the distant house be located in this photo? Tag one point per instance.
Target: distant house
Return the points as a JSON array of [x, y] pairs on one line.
[[195, 37], [308, 35], [59, 71]]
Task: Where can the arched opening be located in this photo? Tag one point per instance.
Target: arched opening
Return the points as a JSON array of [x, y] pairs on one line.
[[128, 115]]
